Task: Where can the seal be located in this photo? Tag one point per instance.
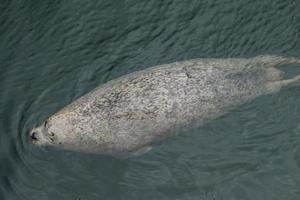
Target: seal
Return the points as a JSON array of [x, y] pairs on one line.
[[124, 116]]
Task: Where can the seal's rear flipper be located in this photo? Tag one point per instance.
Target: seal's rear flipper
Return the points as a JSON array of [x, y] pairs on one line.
[[277, 85], [273, 60], [290, 82]]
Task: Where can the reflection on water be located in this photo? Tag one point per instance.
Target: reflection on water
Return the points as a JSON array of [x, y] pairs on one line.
[[52, 52]]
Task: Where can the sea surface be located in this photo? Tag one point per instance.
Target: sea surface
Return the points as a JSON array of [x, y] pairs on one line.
[[54, 51]]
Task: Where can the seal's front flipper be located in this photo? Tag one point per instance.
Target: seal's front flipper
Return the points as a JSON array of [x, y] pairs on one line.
[[134, 153], [140, 151], [274, 60]]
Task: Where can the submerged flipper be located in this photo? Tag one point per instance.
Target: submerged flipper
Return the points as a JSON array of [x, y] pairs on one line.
[[140, 151], [134, 153], [273, 60]]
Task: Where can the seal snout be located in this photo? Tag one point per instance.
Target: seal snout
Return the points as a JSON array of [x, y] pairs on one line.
[[33, 136], [37, 136]]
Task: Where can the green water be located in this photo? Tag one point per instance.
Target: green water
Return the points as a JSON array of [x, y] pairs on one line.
[[52, 52]]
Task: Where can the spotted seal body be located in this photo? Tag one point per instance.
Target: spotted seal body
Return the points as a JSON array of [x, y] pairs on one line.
[[127, 114]]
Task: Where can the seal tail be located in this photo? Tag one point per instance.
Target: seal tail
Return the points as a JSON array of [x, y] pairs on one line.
[[274, 60]]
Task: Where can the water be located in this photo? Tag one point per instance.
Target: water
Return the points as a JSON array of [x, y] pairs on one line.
[[52, 52]]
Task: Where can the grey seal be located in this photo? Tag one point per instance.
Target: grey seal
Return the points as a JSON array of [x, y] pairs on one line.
[[124, 116]]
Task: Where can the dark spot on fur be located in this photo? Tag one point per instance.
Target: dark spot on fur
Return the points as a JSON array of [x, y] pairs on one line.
[[188, 75]]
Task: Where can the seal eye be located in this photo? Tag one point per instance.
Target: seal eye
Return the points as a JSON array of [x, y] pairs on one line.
[[45, 123]]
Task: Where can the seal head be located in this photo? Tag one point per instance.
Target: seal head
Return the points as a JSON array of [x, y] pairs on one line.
[[55, 131], [40, 136]]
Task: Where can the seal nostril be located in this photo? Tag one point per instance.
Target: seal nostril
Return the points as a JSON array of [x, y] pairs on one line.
[[33, 136]]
